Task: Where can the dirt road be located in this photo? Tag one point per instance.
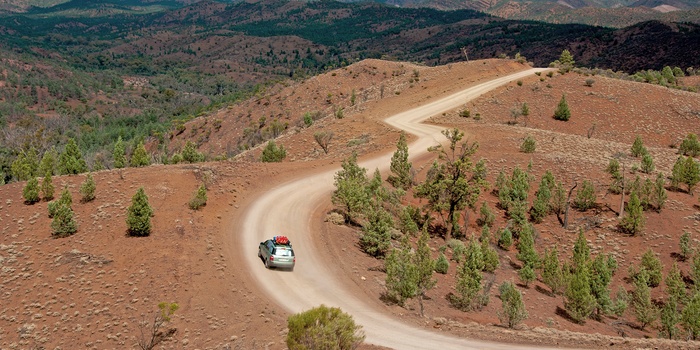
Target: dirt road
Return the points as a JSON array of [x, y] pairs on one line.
[[312, 282]]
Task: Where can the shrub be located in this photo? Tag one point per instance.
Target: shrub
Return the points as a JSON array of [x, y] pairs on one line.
[[323, 328], [647, 164], [562, 112], [486, 216], [505, 238], [468, 282], [119, 154], [87, 189], [513, 308], [442, 264], [589, 82], [684, 245], [273, 153], [31, 191], [323, 138], [200, 198], [644, 309], [690, 318], [652, 265], [579, 302], [528, 145], [633, 222], [71, 160], [308, 119], [138, 217], [465, 113], [527, 275]]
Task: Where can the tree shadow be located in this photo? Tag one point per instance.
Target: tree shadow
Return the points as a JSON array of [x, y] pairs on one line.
[[565, 315], [544, 291], [678, 257]]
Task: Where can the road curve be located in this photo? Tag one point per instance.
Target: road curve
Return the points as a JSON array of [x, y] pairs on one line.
[[312, 283]]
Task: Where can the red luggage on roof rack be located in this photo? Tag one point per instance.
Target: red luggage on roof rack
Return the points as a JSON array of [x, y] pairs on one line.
[[282, 240]]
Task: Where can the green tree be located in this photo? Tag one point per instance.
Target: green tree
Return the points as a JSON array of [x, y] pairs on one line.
[[644, 309], [582, 252], [190, 154], [47, 188], [489, 254], [526, 247], [675, 287], [690, 318], [49, 162], [486, 216], [401, 274], [652, 265], [566, 61], [638, 148], [527, 275], [670, 319], [31, 191], [199, 199], [87, 189], [528, 145], [579, 302], [273, 153], [71, 161], [400, 166], [658, 193], [585, 196], [350, 194], [513, 310], [505, 238], [468, 283], [690, 146], [685, 171], [63, 223], [695, 271], [138, 216], [620, 303], [64, 199], [425, 267], [684, 245], [541, 204], [562, 112], [442, 265], [552, 273], [26, 165], [119, 154], [633, 223], [376, 234], [323, 328], [647, 164], [451, 184], [140, 157], [600, 278], [617, 179]]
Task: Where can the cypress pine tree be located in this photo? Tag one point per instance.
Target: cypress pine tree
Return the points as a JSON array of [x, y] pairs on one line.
[[31, 191], [63, 224], [200, 198], [65, 199], [552, 274], [401, 273], [490, 255], [71, 160], [578, 300], [400, 166], [138, 218], [633, 223], [87, 189], [638, 148], [644, 309], [486, 216], [690, 318], [468, 281], [49, 162], [526, 247], [425, 266], [601, 276], [119, 154], [670, 317], [647, 163], [675, 287], [582, 253], [652, 265], [442, 264], [140, 157], [513, 310], [562, 112], [47, 188]]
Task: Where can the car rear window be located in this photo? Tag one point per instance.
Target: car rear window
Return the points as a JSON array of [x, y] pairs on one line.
[[282, 251]]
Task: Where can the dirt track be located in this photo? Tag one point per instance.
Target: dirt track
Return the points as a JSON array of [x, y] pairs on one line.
[[312, 283]]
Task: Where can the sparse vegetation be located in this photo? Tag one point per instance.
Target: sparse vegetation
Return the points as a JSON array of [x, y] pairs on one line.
[[528, 145], [513, 310], [273, 153], [151, 333], [323, 138], [31, 191], [199, 199], [562, 112]]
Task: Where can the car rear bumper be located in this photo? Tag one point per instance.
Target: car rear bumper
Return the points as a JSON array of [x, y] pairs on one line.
[[282, 264]]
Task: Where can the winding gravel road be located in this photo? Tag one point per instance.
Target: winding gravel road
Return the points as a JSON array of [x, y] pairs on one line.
[[312, 283]]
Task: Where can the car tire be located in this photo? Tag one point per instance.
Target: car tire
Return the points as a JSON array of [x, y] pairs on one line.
[[267, 263], [259, 254]]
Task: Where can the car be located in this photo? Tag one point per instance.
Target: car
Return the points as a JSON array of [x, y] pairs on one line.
[[277, 252]]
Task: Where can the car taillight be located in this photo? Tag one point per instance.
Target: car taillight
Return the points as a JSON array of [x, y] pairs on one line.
[[294, 260], [272, 258]]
